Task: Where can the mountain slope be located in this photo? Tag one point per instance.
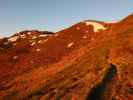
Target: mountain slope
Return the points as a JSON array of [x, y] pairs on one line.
[[91, 60]]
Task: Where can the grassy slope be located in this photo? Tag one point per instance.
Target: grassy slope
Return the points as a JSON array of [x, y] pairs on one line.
[[100, 69]]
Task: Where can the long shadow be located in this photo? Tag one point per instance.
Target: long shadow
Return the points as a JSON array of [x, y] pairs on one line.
[[97, 91]]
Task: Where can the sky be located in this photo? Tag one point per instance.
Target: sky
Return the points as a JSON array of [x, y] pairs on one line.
[[55, 15]]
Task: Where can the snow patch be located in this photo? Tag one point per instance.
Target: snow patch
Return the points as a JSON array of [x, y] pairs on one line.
[[34, 37], [29, 33], [43, 35], [33, 43], [13, 39], [70, 44], [15, 57], [40, 41], [84, 37], [97, 26], [38, 50]]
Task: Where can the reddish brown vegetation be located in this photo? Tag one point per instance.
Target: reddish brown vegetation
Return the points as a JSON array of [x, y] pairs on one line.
[[73, 64]]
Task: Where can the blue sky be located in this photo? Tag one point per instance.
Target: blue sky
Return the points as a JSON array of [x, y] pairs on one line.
[[54, 15]]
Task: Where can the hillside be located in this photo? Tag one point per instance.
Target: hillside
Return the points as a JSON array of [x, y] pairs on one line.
[[90, 60]]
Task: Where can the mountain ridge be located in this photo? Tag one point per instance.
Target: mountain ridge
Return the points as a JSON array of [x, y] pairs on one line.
[[90, 60]]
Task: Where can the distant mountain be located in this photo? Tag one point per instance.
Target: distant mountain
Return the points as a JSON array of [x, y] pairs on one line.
[[91, 60]]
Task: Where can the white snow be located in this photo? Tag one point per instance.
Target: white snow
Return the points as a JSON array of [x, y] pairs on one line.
[[84, 37], [29, 33], [40, 41], [97, 26], [38, 50], [43, 35], [15, 57], [13, 39], [33, 43], [34, 37], [70, 44]]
